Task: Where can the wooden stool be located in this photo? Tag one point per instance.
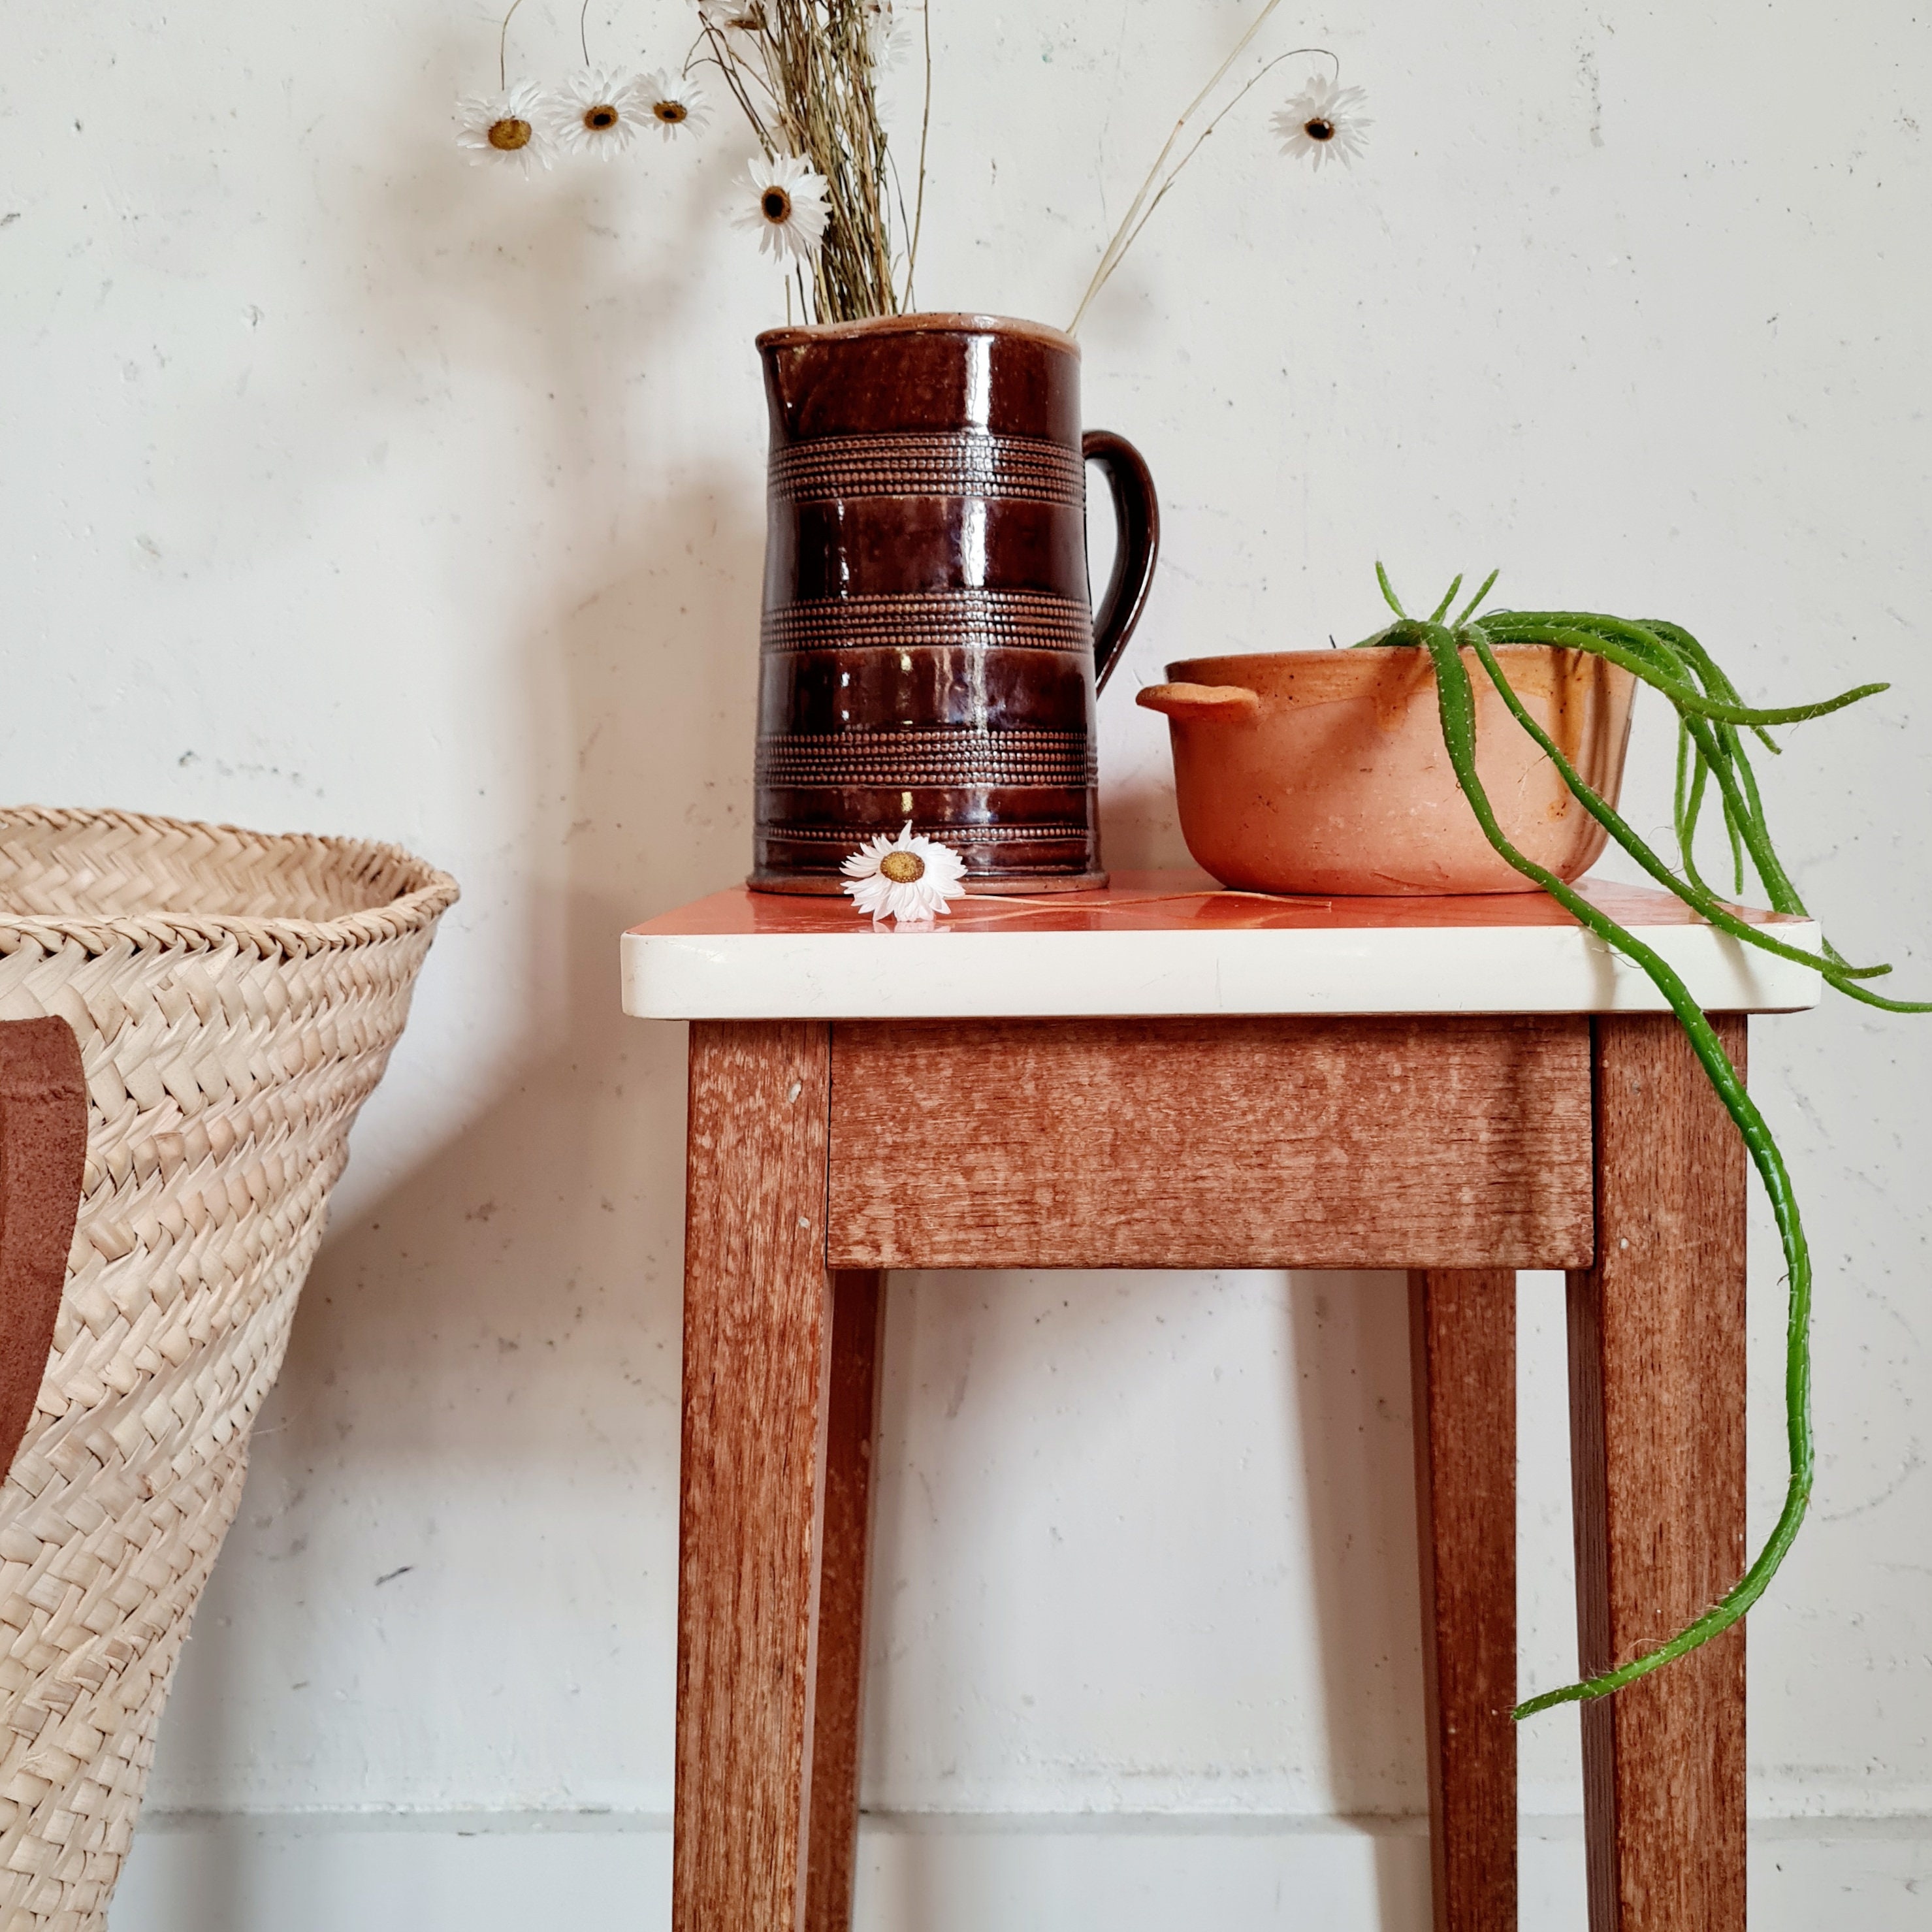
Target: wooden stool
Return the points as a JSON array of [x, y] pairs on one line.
[[1162, 1076]]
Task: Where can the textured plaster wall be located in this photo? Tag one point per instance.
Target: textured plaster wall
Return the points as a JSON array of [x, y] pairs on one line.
[[347, 488]]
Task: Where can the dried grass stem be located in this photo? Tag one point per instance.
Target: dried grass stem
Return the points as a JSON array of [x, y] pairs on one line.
[[1161, 177], [803, 72]]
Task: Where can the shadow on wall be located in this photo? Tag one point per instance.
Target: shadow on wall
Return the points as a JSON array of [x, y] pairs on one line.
[[1018, 1459], [509, 1313], [1354, 1409], [1140, 825]]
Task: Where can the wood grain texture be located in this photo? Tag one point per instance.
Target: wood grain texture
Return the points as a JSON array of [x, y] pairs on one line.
[[1463, 1358], [858, 1327], [1455, 1142], [758, 1315], [1656, 1354]]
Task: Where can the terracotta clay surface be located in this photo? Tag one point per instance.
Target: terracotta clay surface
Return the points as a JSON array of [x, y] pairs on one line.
[[928, 653], [1181, 901], [1325, 771]]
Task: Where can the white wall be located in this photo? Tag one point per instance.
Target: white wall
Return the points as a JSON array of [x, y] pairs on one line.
[[348, 488]]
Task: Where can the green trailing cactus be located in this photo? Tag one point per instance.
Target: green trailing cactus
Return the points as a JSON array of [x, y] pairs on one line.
[[1712, 722]]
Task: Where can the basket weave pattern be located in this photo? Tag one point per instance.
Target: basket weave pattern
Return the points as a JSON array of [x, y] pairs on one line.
[[235, 997]]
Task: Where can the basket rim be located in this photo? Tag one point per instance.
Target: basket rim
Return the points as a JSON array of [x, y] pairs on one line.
[[432, 893]]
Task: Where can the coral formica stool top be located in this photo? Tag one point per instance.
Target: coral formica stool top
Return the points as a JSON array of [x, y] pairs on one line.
[[1174, 943]]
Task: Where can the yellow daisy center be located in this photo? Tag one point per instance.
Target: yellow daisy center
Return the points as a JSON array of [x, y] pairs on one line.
[[1318, 127], [903, 868], [601, 117], [509, 134], [671, 112], [776, 205]]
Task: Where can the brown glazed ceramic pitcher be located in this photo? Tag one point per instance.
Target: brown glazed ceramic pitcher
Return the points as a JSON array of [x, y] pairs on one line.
[[928, 651]]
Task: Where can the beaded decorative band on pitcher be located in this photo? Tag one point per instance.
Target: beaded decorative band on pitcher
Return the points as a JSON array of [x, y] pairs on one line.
[[953, 464], [923, 758], [960, 619]]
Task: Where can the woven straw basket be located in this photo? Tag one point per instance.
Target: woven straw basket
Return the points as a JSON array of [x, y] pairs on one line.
[[235, 997]]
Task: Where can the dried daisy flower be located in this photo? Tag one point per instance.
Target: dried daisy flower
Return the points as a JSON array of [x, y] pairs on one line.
[[785, 202], [909, 878], [740, 24], [597, 113], [504, 129], [733, 16], [1323, 122], [677, 106], [888, 29]]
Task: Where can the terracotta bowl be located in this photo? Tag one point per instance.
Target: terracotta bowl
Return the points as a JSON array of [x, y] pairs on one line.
[[1324, 772]]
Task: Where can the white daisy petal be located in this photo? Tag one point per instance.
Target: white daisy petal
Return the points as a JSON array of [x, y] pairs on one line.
[[784, 201], [889, 32], [597, 113], [909, 879], [1323, 123], [506, 130]]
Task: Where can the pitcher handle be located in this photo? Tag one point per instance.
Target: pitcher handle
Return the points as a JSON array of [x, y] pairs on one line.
[[1137, 520]]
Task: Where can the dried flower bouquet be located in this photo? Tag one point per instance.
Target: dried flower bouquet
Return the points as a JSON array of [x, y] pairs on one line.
[[823, 192]]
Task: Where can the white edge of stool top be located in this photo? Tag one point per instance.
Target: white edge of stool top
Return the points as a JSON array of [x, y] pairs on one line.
[[1162, 945]]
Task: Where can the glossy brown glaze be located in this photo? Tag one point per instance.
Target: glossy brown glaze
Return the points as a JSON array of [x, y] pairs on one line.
[[928, 651]]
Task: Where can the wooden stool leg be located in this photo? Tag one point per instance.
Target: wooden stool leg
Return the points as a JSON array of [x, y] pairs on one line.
[[1463, 1356], [758, 1356], [1656, 1374], [858, 1325]]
